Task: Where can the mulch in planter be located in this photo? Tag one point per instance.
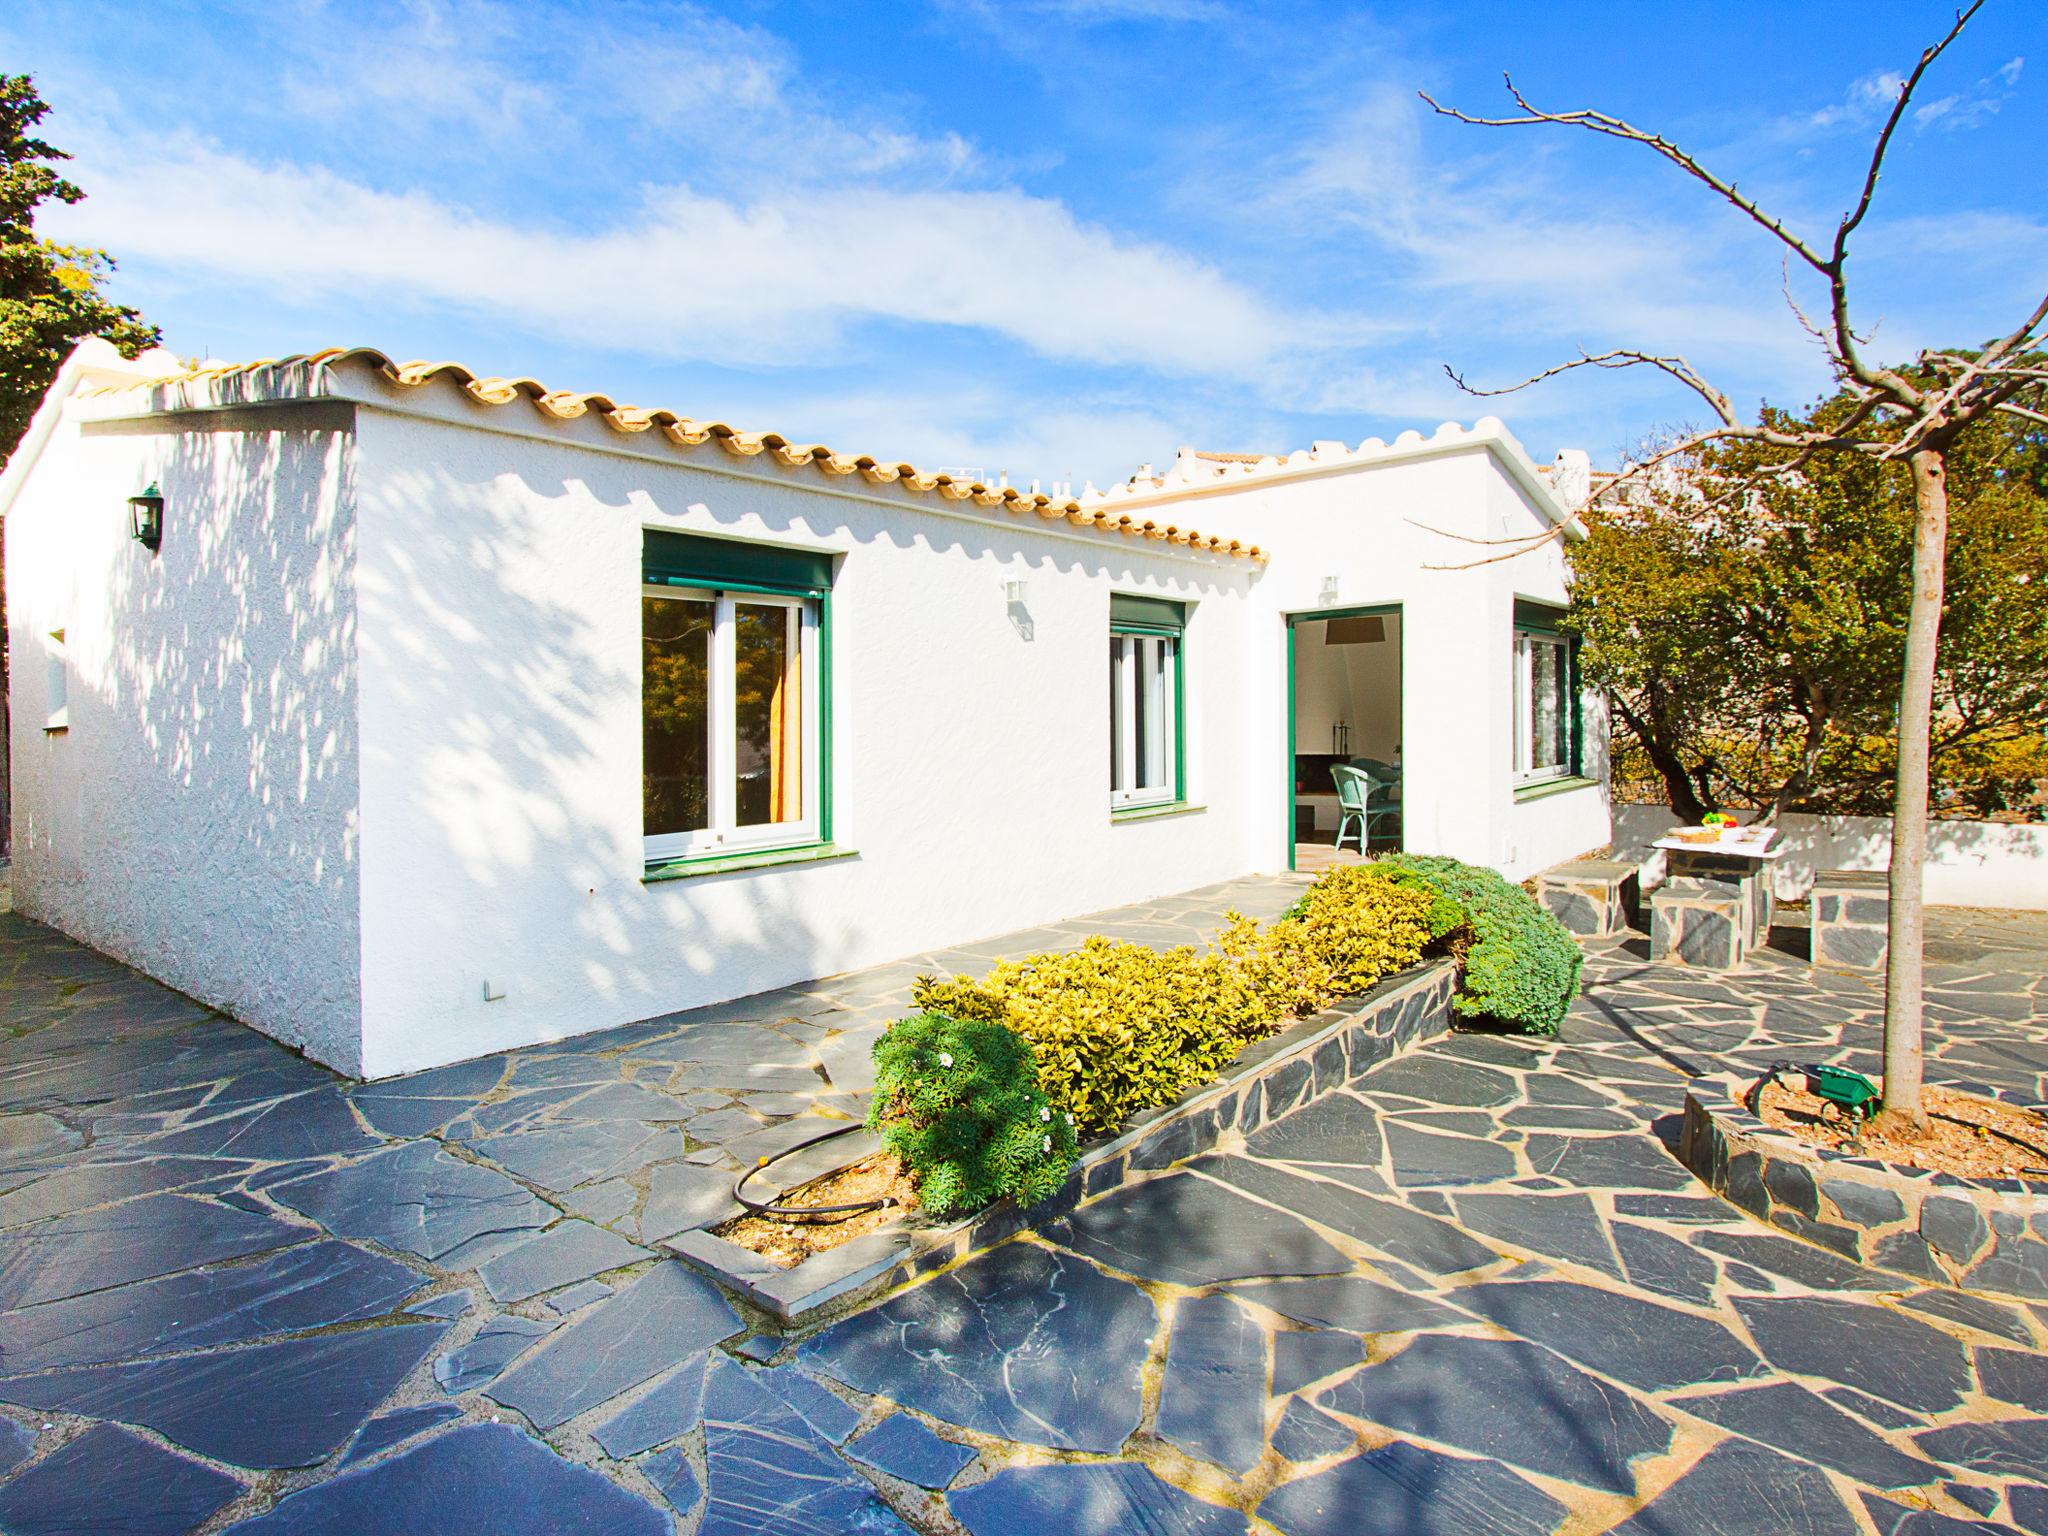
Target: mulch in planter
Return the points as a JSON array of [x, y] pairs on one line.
[[1972, 1137], [789, 1241]]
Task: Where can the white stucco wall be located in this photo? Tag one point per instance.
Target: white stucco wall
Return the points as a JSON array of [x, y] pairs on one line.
[[365, 736], [1397, 532], [501, 798], [1539, 827], [196, 818]]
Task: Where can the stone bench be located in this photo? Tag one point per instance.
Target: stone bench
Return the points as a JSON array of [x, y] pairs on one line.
[[1594, 898], [1701, 922], [1851, 911]]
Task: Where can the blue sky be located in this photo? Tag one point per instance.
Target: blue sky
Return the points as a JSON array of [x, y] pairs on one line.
[[1052, 238]]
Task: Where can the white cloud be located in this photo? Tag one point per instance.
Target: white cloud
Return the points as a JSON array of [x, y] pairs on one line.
[[1516, 246], [1868, 98], [775, 278], [1871, 98]]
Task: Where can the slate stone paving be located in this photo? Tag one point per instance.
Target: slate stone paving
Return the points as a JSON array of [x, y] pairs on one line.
[[1473, 1292]]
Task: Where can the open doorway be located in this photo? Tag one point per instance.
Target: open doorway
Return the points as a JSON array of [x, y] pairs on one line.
[[1344, 733]]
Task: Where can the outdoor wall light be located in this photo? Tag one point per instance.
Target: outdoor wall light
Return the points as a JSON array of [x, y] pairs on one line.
[[1329, 592], [1015, 590], [146, 517]]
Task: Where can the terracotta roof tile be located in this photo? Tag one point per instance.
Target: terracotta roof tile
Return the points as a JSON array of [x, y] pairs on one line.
[[687, 433]]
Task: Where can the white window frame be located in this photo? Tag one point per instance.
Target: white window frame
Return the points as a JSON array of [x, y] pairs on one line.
[[723, 834], [1526, 643], [1136, 655]]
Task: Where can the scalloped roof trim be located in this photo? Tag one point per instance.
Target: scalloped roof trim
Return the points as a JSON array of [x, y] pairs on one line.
[[686, 432], [1194, 470]]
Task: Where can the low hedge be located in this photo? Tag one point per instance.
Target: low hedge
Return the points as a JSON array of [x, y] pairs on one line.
[[1116, 1028], [1518, 964], [1121, 1027]]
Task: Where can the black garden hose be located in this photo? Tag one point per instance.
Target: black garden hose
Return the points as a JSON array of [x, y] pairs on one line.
[[803, 1212]]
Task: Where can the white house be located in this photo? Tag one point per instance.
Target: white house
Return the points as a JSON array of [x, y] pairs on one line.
[[439, 714]]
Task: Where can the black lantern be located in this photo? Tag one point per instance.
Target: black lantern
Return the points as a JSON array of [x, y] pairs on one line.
[[146, 517]]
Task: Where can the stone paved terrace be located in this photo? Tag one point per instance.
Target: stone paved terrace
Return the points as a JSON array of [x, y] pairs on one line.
[[1477, 1293]]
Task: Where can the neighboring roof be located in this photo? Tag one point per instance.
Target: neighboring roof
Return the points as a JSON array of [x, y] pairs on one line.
[[300, 376], [1557, 489]]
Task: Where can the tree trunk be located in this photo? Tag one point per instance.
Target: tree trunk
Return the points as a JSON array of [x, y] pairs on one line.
[[1903, 1059], [1795, 787], [1648, 729]]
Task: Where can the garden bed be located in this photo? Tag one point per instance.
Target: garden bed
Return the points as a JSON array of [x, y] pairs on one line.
[[1979, 1233], [1967, 1135], [1266, 1080], [789, 1241]]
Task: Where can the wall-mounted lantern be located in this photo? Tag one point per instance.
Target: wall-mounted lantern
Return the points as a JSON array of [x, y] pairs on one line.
[[146, 517], [1328, 595], [1015, 590]]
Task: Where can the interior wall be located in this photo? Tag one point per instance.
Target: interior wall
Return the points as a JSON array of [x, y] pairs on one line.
[[1359, 684]]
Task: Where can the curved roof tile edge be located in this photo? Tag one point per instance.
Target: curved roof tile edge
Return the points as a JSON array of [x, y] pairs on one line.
[[686, 432]]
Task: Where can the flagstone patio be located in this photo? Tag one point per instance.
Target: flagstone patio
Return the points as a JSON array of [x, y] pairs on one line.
[[1475, 1292]]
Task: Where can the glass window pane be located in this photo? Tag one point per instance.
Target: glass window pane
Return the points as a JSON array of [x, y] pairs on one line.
[[1116, 714], [768, 760], [1169, 723], [1561, 704], [1146, 661], [1546, 717], [675, 672]]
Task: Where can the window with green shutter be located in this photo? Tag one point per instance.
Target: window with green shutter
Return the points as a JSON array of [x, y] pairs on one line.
[[734, 706], [1147, 697]]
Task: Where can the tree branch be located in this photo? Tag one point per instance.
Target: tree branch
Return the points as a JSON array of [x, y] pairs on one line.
[[1837, 262], [1616, 128]]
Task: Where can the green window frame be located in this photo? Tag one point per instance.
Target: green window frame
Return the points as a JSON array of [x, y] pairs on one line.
[[729, 580], [1549, 725], [1148, 760]]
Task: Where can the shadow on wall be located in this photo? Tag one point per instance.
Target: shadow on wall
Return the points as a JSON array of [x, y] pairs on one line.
[[524, 789], [522, 771], [1969, 863], [208, 775], [215, 837]]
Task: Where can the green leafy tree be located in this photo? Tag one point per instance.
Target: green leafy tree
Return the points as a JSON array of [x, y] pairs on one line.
[[50, 296], [1912, 415], [1751, 643]]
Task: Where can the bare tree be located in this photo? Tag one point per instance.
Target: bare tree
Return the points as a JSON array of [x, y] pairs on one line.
[[1911, 415]]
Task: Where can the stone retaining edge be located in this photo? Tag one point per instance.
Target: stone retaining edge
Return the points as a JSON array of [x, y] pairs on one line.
[[1266, 1080], [1936, 1228]]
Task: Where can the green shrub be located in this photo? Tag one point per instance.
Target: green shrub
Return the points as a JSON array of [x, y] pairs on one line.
[[1120, 1027], [958, 1101], [1520, 965]]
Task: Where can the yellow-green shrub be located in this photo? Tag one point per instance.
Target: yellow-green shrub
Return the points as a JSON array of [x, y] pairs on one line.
[[1120, 1027], [1361, 923]]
